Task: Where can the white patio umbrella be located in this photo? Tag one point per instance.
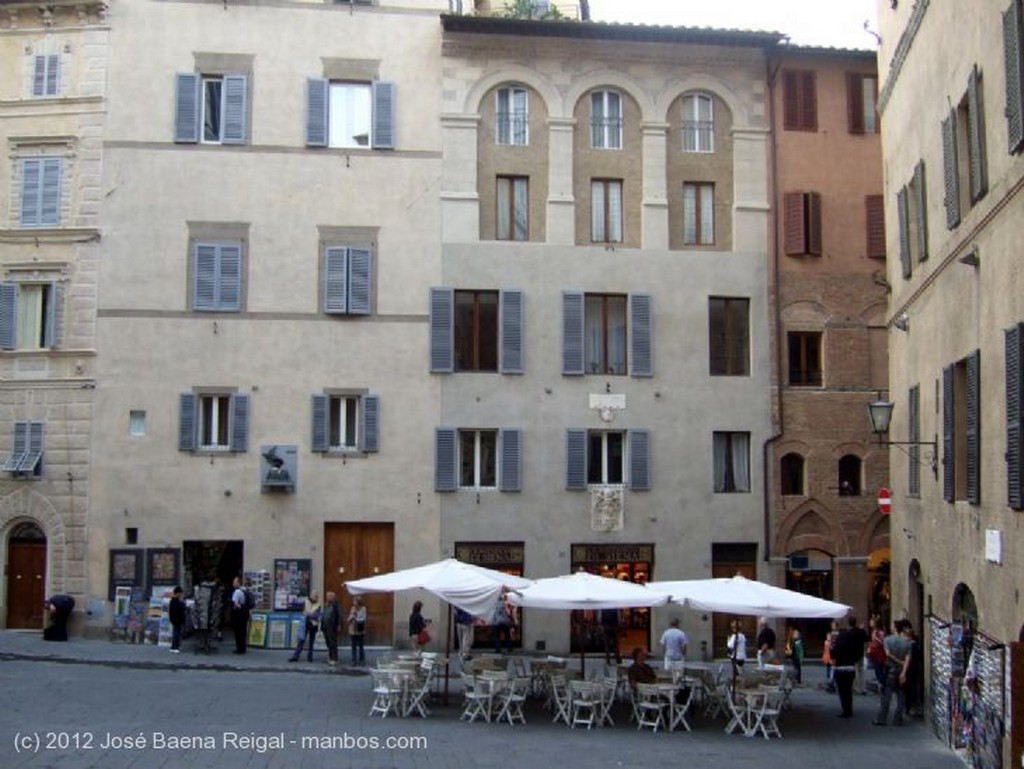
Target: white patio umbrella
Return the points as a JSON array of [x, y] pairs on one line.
[[739, 595]]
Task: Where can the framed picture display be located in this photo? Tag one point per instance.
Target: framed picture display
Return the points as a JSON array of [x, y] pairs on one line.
[[125, 569], [291, 582], [258, 630], [122, 600], [163, 567]]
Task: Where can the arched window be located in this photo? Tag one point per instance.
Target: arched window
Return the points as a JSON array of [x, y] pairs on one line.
[[849, 476], [698, 123], [792, 471]]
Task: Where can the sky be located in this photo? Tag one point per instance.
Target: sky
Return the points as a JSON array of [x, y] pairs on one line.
[[833, 23]]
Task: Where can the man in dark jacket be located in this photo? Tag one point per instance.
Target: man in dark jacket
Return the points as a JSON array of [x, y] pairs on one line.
[[330, 624], [847, 652], [176, 615], [59, 607]]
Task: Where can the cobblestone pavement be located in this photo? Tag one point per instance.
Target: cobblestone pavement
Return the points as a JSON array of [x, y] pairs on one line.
[[95, 704]]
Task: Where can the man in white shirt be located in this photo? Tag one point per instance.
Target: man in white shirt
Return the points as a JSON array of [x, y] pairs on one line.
[[674, 643]]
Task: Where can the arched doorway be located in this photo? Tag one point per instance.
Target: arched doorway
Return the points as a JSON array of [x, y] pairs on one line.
[[26, 576]]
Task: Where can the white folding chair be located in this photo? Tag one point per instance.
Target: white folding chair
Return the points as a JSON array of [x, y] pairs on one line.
[[561, 704], [387, 693], [475, 703], [683, 696], [771, 709], [608, 690], [585, 703], [419, 690], [650, 707], [512, 699]]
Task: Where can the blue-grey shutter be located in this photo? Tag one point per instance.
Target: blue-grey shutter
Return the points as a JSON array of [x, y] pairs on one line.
[[576, 459], [235, 109], [1014, 403], [950, 171], [49, 199], [573, 348], [53, 331], [639, 460], [511, 323], [336, 280], [948, 436], [446, 446], [903, 217], [316, 112], [19, 447], [36, 433], [31, 192], [973, 458], [370, 442], [319, 439], [921, 202], [204, 278], [978, 171], [230, 278], [1013, 55], [186, 108], [383, 116], [442, 330], [39, 76], [360, 281], [188, 414], [914, 436], [8, 316], [239, 422], [641, 336], [511, 459]]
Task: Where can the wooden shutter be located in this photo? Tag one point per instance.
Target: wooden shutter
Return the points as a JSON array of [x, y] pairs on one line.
[[239, 422], [808, 102], [855, 102], [874, 220], [8, 316], [442, 330], [335, 280], [573, 348], [914, 451], [188, 413], [370, 442], [510, 321], [383, 116], [317, 100], [230, 278], [948, 435], [360, 281], [973, 458], [790, 101], [1014, 60], [319, 441], [950, 171], [511, 459], [1014, 403], [639, 460], [921, 206], [576, 459], [53, 332], [186, 108], [641, 337], [976, 137], [235, 109], [814, 223], [903, 215], [793, 223], [446, 449]]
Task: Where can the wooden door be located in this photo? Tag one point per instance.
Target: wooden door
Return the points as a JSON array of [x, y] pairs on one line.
[[26, 584], [356, 550]]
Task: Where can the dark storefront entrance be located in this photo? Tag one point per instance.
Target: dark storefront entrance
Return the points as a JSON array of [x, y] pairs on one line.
[[631, 563], [499, 556]]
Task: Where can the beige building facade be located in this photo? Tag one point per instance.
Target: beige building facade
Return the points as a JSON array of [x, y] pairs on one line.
[[950, 101]]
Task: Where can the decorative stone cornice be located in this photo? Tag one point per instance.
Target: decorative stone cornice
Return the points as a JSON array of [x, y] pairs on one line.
[[902, 51]]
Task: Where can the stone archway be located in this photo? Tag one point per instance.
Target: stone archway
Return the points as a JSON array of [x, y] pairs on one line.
[[26, 576], [27, 506]]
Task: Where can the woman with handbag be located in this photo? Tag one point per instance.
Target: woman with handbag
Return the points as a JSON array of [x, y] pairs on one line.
[[418, 627]]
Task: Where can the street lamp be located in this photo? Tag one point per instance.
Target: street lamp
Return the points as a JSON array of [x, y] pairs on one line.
[[880, 414]]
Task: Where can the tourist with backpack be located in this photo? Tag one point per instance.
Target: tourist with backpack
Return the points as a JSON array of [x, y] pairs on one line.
[[240, 607]]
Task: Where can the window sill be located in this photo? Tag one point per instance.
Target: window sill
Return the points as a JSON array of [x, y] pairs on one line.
[[50, 235]]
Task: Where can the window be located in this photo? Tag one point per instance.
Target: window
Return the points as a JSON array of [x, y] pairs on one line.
[[1014, 338], [595, 334], [698, 123], [965, 168], [46, 75], [211, 109], [799, 101], [729, 336], [476, 331], [698, 213], [608, 457], [912, 212], [217, 277], [136, 423], [40, 191], [477, 459], [31, 315], [1013, 52], [347, 280], [804, 358], [26, 457], [802, 223], [606, 120], [346, 422], [350, 114], [213, 421], [849, 476], [513, 203], [731, 462], [874, 226], [791, 471], [862, 103], [914, 438], [961, 430], [606, 210], [512, 111]]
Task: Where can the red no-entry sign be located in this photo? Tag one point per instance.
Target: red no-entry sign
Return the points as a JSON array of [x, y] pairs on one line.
[[884, 501]]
